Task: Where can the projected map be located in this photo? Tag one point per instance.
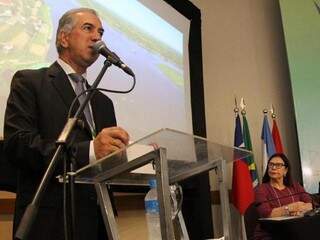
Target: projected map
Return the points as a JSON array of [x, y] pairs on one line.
[[152, 47]]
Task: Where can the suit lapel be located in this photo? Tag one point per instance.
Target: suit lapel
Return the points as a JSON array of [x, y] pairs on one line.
[[62, 84]]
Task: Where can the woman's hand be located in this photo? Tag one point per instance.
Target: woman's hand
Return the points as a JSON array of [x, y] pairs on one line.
[[298, 208]]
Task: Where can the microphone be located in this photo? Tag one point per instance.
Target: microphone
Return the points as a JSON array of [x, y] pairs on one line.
[[101, 48]]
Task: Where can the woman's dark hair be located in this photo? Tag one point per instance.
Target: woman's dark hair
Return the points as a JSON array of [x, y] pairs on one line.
[[287, 179]]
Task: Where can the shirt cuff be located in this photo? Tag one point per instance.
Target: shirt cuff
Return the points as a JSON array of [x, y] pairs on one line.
[[92, 156]]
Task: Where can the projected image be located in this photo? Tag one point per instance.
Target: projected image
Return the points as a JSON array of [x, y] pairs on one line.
[[25, 35], [153, 48], [302, 40]]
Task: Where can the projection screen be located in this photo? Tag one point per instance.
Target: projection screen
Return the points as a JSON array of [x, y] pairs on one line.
[[301, 23], [149, 35]]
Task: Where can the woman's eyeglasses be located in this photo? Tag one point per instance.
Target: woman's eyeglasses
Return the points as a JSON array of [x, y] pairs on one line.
[[275, 165]]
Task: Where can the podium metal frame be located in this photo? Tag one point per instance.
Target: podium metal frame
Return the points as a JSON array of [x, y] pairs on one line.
[[121, 173]]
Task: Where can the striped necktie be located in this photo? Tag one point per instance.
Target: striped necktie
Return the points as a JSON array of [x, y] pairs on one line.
[[79, 88]]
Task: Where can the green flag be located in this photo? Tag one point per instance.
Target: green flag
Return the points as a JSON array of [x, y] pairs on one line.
[[250, 160]]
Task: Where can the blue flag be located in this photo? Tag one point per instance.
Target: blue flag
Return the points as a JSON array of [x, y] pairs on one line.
[[238, 137], [267, 143]]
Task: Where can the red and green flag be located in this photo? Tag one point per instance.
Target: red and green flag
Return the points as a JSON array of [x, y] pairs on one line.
[[248, 145], [242, 190]]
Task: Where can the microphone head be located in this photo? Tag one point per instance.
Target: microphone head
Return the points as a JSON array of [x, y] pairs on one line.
[[98, 45]]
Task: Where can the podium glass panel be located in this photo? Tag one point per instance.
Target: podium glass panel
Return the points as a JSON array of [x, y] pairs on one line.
[[169, 156], [187, 155]]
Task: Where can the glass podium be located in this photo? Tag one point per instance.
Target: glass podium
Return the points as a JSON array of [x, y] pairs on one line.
[[169, 156]]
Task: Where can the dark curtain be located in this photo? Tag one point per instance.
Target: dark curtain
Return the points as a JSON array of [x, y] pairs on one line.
[[196, 207]]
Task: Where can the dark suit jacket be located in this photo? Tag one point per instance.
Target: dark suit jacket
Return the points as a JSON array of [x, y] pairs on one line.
[[8, 173], [36, 112]]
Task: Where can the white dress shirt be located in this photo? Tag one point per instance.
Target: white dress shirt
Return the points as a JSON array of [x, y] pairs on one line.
[[68, 70]]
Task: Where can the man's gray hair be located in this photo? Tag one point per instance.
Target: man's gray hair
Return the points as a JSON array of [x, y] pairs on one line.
[[67, 23]]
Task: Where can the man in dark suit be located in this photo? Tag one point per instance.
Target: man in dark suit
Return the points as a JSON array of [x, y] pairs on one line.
[[36, 112]]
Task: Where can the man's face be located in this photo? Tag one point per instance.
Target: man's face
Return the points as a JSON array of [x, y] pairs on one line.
[[78, 43]]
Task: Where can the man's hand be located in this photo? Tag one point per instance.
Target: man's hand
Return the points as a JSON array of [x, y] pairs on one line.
[[110, 140]]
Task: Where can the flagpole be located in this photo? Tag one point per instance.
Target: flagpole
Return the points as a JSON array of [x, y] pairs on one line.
[[242, 184], [243, 228], [264, 147]]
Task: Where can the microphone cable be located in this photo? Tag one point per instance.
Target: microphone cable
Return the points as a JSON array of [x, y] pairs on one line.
[[99, 89]]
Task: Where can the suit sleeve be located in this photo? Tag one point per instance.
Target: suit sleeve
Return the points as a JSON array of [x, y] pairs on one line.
[[23, 143]]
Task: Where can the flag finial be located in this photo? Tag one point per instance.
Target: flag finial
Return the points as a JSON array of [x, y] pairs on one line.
[[273, 114], [236, 109], [243, 106], [265, 111]]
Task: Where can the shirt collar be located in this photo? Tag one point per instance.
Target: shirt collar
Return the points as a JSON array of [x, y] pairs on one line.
[[67, 68]]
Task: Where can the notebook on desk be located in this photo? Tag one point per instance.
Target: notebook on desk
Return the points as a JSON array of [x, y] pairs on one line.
[[279, 218]]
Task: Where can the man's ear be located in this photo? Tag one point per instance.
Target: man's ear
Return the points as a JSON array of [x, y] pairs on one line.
[[64, 39]]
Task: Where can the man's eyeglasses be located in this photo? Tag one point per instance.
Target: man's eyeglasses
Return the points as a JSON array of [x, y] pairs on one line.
[[275, 165]]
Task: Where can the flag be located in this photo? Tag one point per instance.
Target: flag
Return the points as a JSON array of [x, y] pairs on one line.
[[276, 137], [267, 143], [242, 191], [248, 145]]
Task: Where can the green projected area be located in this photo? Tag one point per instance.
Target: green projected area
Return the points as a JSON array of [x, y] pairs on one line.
[[301, 22], [25, 33]]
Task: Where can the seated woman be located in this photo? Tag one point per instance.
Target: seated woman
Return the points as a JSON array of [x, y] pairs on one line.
[[278, 195]]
